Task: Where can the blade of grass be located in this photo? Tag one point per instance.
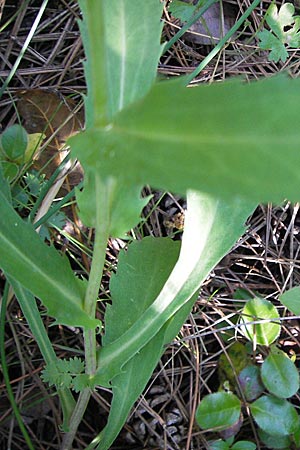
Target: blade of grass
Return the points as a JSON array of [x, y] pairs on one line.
[[5, 369], [188, 78], [32, 315], [24, 47], [190, 22]]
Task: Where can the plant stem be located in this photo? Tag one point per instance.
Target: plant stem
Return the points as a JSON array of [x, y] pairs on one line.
[[103, 191], [76, 419]]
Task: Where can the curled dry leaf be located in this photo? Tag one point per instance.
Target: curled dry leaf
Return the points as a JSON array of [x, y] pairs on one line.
[[46, 112], [213, 24]]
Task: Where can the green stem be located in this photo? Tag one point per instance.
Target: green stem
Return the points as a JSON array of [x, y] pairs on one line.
[[103, 193], [24, 48], [76, 418], [187, 79]]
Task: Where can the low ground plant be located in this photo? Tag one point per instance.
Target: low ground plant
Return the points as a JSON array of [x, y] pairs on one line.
[[227, 147]]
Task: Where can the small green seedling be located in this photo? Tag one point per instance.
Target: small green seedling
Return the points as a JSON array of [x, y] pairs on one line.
[[263, 389], [284, 31], [16, 149]]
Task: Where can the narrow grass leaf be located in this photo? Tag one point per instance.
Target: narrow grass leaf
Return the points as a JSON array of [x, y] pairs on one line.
[[33, 317], [41, 269]]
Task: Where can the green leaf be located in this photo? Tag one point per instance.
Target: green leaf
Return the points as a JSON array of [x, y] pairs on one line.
[[270, 42], [218, 445], [125, 204], [133, 46], [181, 10], [122, 67], [218, 411], [5, 188], [268, 330], [76, 365], [291, 299], [122, 61], [275, 416], [211, 228], [80, 382], [280, 375], [10, 170], [41, 269], [278, 21], [274, 442], [33, 317], [146, 263], [243, 445], [250, 382], [13, 142], [237, 149], [231, 363]]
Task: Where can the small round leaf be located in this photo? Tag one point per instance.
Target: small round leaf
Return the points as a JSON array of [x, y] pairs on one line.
[[268, 330], [243, 445], [280, 375], [250, 382], [14, 142], [10, 170], [220, 410], [274, 442], [275, 416], [218, 445]]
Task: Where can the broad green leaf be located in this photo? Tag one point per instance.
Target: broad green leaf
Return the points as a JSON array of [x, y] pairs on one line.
[[10, 170], [125, 204], [176, 139], [121, 67], [13, 142], [275, 416], [291, 299], [182, 10], [274, 442], [243, 445], [41, 269], [266, 331], [133, 49], [211, 228], [280, 375], [141, 274], [218, 411], [122, 61]]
